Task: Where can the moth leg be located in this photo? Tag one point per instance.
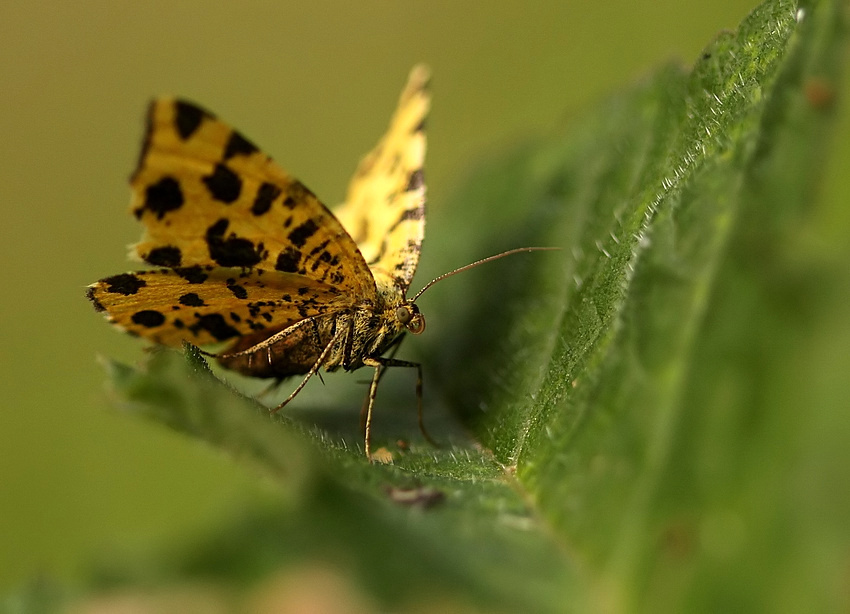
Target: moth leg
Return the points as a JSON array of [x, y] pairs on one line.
[[319, 362], [318, 342], [370, 402], [380, 364], [394, 348], [265, 344]]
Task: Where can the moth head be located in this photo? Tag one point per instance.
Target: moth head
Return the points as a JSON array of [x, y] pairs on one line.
[[408, 314]]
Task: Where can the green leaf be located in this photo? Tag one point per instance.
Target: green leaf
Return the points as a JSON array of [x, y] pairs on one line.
[[438, 518], [650, 417], [667, 428]]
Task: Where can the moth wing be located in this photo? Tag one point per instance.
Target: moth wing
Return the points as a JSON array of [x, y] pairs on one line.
[[384, 210], [208, 196], [169, 306]]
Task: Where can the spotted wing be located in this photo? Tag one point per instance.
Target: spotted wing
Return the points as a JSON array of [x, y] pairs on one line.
[[207, 196], [384, 210], [169, 306]]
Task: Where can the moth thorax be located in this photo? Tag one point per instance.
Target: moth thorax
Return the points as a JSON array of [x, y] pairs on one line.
[[408, 315]]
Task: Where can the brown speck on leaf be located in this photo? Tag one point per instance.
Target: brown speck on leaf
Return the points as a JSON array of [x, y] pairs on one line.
[[819, 93], [419, 496]]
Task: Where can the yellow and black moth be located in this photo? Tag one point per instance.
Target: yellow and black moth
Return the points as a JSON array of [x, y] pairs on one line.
[[248, 255]]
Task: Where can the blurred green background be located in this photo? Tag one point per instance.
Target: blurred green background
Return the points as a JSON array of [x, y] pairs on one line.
[[313, 84]]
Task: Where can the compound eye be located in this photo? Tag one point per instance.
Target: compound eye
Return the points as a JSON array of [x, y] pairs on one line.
[[403, 314], [416, 324]]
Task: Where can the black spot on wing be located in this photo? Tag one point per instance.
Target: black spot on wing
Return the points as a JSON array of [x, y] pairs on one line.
[[265, 197], [289, 260], [192, 274], [161, 197], [416, 181], [146, 140], [417, 213], [191, 300], [224, 185], [328, 258], [125, 283], [233, 250], [400, 283], [381, 252], [98, 306], [320, 247], [324, 257], [148, 318], [301, 233], [296, 194], [187, 118], [214, 324], [168, 256], [238, 145], [238, 291]]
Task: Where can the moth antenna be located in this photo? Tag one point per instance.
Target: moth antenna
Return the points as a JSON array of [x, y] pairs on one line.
[[472, 265]]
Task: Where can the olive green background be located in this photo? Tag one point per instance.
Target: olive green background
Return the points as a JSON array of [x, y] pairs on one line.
[[313, 84]]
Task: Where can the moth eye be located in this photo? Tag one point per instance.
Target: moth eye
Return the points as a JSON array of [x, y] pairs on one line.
[[403, 314], [416, 324]]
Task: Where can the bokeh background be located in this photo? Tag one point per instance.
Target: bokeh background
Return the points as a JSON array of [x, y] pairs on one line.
[[314, 85]]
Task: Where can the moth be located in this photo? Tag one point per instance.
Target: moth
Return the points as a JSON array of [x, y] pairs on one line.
[[247, 255]]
